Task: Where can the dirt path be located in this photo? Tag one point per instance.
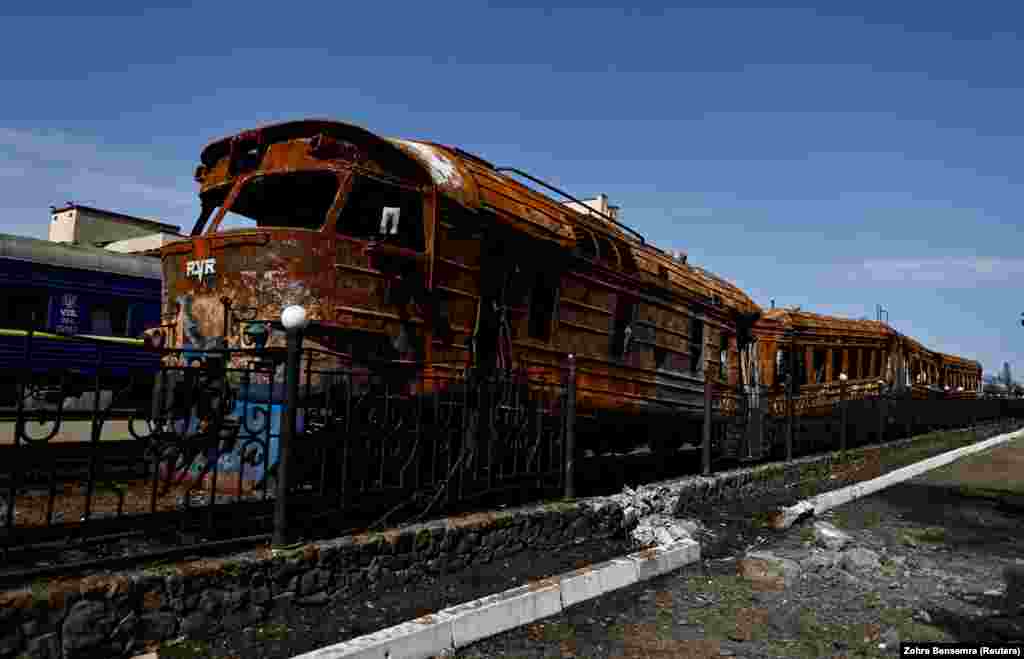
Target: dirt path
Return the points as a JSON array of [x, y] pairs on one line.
[[940, 541]]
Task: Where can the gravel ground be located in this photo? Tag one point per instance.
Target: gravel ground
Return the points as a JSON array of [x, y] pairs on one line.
[[941, 542]]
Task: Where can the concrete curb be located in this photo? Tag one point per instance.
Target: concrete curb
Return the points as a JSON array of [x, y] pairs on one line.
[[463, 624], [819, 504]]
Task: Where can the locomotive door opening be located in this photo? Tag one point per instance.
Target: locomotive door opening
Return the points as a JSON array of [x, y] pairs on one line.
[[501, 275]]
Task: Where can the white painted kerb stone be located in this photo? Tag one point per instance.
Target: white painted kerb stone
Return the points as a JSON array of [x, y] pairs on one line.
[[424, 637], [829, 500], [507, 610], [661, 560], [597, 579], [467, 623]]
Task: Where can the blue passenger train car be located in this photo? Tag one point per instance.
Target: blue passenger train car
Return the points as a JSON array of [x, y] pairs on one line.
[[64, 309]]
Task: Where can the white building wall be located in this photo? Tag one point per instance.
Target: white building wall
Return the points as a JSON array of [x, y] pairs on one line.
[[62, 227], [142, 243]]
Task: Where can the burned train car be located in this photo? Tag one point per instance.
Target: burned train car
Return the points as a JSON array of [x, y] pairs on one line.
[[421, 255], [815, 350]]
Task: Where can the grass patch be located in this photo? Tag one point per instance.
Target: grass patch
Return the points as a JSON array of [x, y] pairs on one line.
[[503, 519], [296, 550], [902, 619], [184, 649], [272, 632], [727, 616], [872, 519], [807, 534], [931, 535], [551, 633], [565, 505], [818, 640], [40, 590], [422, 539], [158, 568]]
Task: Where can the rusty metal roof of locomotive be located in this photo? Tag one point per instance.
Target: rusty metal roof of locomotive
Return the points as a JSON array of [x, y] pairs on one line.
[[799, 319], [475, 184], [957, 360]]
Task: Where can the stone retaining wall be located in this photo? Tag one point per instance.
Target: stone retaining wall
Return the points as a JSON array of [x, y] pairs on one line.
[[114, 615]]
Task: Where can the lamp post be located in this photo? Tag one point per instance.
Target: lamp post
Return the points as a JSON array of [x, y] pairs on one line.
[[294, 320]]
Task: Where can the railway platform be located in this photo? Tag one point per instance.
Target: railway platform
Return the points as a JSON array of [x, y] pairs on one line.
[[922, 561]]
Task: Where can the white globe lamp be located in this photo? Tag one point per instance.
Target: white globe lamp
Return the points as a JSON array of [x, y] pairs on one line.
[[842, 377], [294, 318]]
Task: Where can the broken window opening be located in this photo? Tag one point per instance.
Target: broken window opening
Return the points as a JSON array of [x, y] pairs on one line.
[[696, 345], [542, 308], [790, 363], [662, 359], [625, 314], [381, 211], [297, 200], [586, 246], [820, 358], [723, 358], [607, 252]]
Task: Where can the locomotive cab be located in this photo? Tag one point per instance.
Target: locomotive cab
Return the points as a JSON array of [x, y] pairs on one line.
[[318, 214]]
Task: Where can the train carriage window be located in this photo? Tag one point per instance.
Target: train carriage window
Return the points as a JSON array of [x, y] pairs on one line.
[[781, 365], [377, 210], [542, 307], [820, 357], [26, 311], [723, 358], [586, 246], [100, 322], [625, 314], [696, 345], [607, 252], [296, 200], [787, 364], [109, 319]]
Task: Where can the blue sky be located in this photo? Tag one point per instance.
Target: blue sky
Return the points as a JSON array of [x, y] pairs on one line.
[[832, 156]]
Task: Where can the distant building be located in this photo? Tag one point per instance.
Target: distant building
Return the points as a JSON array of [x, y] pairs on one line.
[[117, 232], [598, 203]]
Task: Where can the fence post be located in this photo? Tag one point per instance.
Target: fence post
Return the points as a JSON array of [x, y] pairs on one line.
[[790, 421], [294, 320], [706, 439], [881, 417], [570, 430], [842, 414]]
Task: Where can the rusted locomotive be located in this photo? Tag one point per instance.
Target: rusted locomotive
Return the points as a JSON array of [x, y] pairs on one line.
[[816, 350], [427, 257]]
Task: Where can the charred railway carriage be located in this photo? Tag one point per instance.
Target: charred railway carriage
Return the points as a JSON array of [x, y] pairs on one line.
[[815, 349], [421, 254]]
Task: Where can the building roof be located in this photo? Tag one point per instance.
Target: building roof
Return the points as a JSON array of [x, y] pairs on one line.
[[121, 217], [67, 255]]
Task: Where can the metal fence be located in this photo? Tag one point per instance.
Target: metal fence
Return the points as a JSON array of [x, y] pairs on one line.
[[287, 442], [763, 422], [236, 443]]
